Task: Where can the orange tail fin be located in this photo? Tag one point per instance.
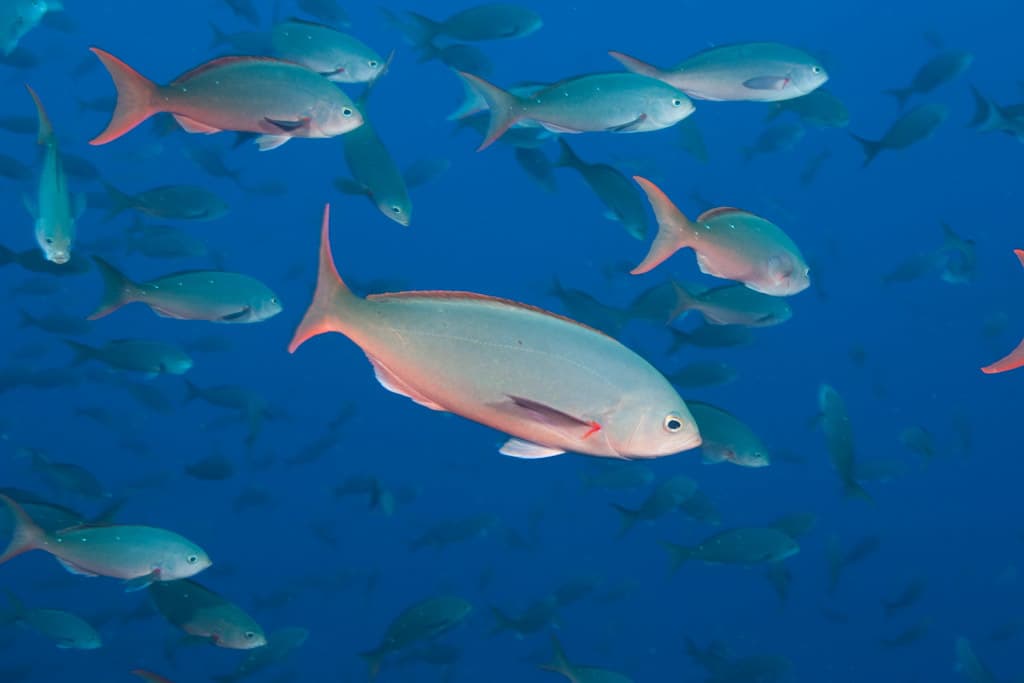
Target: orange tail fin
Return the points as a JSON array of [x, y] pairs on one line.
[[1015, 358], [26, 536], [672, 226], [136, 98]]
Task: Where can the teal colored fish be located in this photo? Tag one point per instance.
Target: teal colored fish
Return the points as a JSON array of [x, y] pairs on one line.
[[201, 613]]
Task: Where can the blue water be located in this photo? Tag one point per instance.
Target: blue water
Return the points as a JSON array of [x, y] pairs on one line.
[[484, 226]]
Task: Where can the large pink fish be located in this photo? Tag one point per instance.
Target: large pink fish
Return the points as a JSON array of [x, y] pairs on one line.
[[282, 100], [1015, 358], [552, 384]]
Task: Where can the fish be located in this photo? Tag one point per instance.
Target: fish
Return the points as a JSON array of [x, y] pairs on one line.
[[374, 171], [215, 296], [818, 108], [279, 100], [916, 125], [623, 203], [744, 545], [617, 475], [64, 477], [1015, 358], [731, 306], [580, 674], [538, 615], [839, 438], [216, 467], [280, 645], [755, 72], [812, 167], [603, 102], [149, 676], [703, 374], [69, 631], [163, 242], [778, 138], [667, 496], [968, 663], [538, 166], [139, 555], [940, 69], [55, 322], [908, 597], [174, 202], [327, 11], [337, 56], [489, 21], [990, 116], [723, 666], [201, 613], [423, 620], [492, 360], [151, 358], [18, 17], [452, 531], [691, 140], [55, 209], [730, 243], [13, 169], [726, 438]]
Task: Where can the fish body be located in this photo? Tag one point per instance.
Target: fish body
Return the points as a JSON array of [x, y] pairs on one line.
[[200, 612], [337, 56], [624, 204], [18, 17], [726, 438], [819, 108], [137, 355], [758, 72], [279, 100], [175, 202], [423, 620], [940, 69], [190, 295], [666, 497], [552, 384], [69, 631], [604, 102], [746, 545], [489, 21], [839, 437], [916, 125], [730, 243]]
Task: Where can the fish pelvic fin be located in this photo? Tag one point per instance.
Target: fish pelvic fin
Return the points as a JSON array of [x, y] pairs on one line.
[[331, 297], [26, 535], [136, 98], [871, 148], [118, 290], [45, 127], [672, 227], [505, 107], [636, 66]]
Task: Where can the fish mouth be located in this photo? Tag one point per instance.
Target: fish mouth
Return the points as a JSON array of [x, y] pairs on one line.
[[60, 257]]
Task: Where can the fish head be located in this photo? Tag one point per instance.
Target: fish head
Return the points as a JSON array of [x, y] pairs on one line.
[[398, 209], [669, 107], [55, 243], [176, 364], [757, 457], [365, 69], [786, 274], [335, 118], [265, 307], [239, 634], [182, 559], [805, 78], [653, 428]]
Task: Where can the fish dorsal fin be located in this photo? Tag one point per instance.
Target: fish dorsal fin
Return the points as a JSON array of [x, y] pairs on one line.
[[222, 62], [446, 295], [719, 211]]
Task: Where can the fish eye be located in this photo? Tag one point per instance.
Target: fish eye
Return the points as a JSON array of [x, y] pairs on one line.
[[346, 112], [192, 559], [373, 63], [673, 423], [677, 102], [249, 635], [396, 210], [816, 69]]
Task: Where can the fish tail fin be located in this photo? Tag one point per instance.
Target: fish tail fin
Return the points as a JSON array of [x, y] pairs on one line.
[[677, 554], [1011, 361], [901, 95], [17, 611], [502, 622], [7, 255], [559, 662], [628, 518], [26, 535], [331, 297], [987, 115], [192, 392], [136, 98], [567, 156], [420, 30], [472, 102], [871, 148], [45, 127], [26, 319], [636, 66], [853, 489], [219, 37], [374, 659], [118, 290], [748, 154], [119, 201], [685, 301], [83, 352], [504, 107], [672, 225]]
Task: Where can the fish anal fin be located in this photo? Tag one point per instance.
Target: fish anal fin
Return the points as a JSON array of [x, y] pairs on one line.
[[517, 448], [389, 381], [193, 126], [74, 569]]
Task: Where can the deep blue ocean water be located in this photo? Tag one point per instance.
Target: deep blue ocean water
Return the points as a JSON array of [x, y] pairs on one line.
[[485, 226]]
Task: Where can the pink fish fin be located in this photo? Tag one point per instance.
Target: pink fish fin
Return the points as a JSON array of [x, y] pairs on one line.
[[540, 412], [26, 535], [393, 384], [149, 676], [136, 98], [331, 298], [1020, 255], [517, 448], [636, 66], [73, 568], [45, 127], [193, 126], [672, 227], [629, 127], [766, 82], [267, 142], [1012, 361], [141, 582], [708, 268], [118, 290], [505, 107]]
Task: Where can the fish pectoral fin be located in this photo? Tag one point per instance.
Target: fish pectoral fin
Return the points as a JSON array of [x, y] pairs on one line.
[[75, 569], [288, 126], [193, 126], [237, 315], [389, 381], [553, 417], [629, 127], [265, 142], [350, 186], [141, 582], [766, 83], [30, 206], [517, 448]]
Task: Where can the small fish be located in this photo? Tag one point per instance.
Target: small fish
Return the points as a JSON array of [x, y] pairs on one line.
[[335, 55], [447, 532], [55, 210], [908, 597], [989, 116], [778, 138], [818, 108], [726, 438], [151, 358], [149, 676], [278, 99], [18, 17], [745, 545], [812, 168], [175, 202], [916, 125], [606, 102], [669, 495], [839, 438], [616, 476], [190, 295], [1015, 358], [424, 620], [940, 69], [327, 11], [280, 645], [758, 72], [539, 615], [538, 166], [729, 243], [64, 477], [13, 169], [731, 306], [139, 555], [216, 467], [490, 21], [162, 242], [69, 631], [580, 674], [623, 203], [691, 140], [968, 663], [450, 351], [201, 613], [703, 374]]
